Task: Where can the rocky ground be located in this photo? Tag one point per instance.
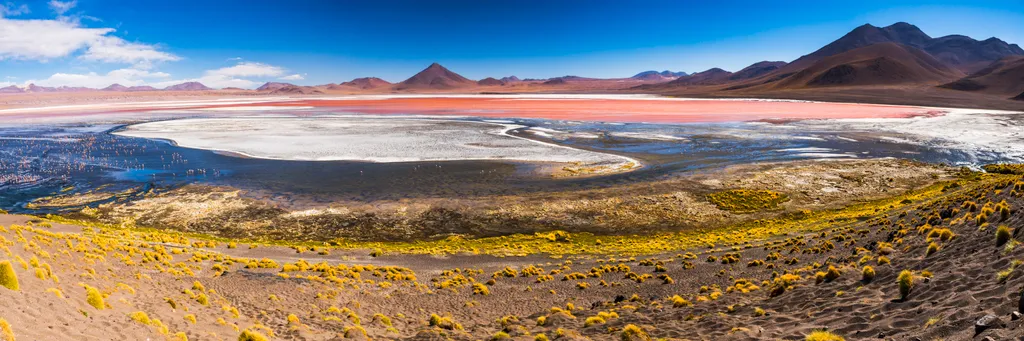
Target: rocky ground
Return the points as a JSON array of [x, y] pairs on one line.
[[781, 277]]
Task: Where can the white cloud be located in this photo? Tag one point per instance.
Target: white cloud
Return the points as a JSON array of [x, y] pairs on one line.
[[43, 40], [232, 76], [247, 69], [116, 50], [295, 77], [10, 10], [126, 77], [62, 7]]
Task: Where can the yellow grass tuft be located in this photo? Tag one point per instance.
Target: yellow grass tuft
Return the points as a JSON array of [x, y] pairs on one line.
[[94, 297], [140, 317], [249, 335], [1002, 235], [906, 283], [821, 335], [6, 333], [8, 279], [868, 273], [633, 333]]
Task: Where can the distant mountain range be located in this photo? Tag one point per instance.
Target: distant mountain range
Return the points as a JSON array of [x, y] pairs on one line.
[[663, 75], [868, 56]]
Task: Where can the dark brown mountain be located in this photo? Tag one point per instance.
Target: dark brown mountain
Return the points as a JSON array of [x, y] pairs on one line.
[[141, 88], [490, 81], [435, 76], [961, 52], [877, 64], [188, 86], [271, 86], [1019, 97], [1004, 77], [115, 87], [756, 70], [971, 55], [707, 77], [366, 83]]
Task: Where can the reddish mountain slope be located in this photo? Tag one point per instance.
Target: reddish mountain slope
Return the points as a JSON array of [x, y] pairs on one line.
[[366, 83], [188, 86], [435, 76], [490, 81], [115, 87], [271, 86]]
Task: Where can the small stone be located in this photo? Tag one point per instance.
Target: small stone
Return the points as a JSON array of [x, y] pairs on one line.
[[987, 322], [1015, 316]]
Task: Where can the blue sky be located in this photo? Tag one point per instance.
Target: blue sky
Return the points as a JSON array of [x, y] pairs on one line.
[[244, 43]]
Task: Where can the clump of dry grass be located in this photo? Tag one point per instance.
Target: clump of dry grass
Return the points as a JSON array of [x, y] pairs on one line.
[[6, 333], [8, 278], [249, 335], [1002, 235], [906, 283], [821, 335], [933, 247], [94, 297], [633, 333], [868, 274]]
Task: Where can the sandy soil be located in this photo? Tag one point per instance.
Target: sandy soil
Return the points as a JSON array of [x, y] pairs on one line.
[[588, 296]]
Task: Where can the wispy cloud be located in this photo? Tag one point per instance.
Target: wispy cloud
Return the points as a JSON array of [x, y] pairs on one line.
[[247, 69], [62, 7], [11, 10], [295, 77]]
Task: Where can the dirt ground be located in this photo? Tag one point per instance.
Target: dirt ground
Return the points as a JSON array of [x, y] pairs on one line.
[[738, 288]]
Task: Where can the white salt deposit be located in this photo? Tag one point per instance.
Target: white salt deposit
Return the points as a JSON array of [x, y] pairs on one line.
[[372, 139]]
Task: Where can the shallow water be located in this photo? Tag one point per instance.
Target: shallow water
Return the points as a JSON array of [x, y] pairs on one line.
[[38, 161]]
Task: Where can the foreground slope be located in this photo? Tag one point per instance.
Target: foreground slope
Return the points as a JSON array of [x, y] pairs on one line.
[[954, 244]]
